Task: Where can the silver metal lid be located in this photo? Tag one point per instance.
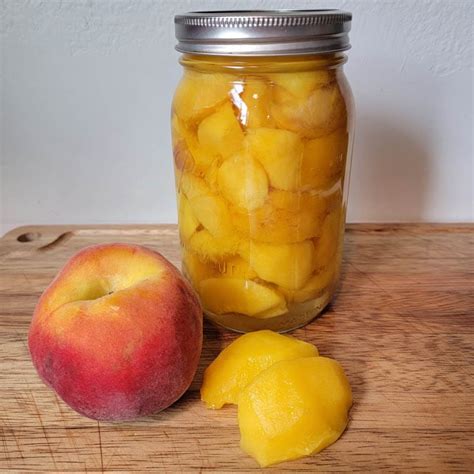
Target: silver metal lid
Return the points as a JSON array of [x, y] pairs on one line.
[[263, 33]]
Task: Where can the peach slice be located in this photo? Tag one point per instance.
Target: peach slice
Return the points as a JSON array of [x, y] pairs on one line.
[[285, 217], [293, 409], [327, 244], [199, 94], [176, 129], [197, 269], [242, 360], [320, 114], [210, 248], [212, 212], [220, 133], [202, 159], [300, 84], [287, 265], [256, 98], [192, 186], [183, 158], [272, 312], [324, 160], [313, 204], [210, 176], [189, 154], [187, 222], [238, 295], [208, 208], [243, 181], [280, 152], [313, 287]]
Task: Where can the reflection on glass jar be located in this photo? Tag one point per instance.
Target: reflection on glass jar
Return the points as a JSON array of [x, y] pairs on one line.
[[261, 149]]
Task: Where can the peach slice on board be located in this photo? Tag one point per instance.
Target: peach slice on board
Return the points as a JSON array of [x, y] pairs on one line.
[[293, 409], [242, 360]]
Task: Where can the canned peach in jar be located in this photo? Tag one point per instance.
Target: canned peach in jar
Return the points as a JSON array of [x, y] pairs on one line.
[[262, 126]]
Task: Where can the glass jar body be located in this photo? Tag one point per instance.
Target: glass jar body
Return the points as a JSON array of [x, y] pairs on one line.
[[262, 158]]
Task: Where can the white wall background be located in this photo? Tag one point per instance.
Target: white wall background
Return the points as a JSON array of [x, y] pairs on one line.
[[86, 88]]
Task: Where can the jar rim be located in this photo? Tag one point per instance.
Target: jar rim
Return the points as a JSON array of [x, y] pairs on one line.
[[263, 32]]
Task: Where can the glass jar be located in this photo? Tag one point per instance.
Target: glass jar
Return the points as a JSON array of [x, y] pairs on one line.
[[262, 124]]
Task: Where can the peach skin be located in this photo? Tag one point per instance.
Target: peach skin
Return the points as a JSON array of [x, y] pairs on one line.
[[118, 333]]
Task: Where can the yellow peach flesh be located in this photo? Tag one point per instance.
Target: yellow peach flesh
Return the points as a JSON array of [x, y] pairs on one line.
[[280, 152], [238, 295], [317, 283], [212, 212], [322, 112], [300, 84], [220, 133], [213, 249], [198, 94], [255, 110], [327, 244], [186, 219], [242, 360], [285, 217], [324, 160], [287, 265], [294, 408], [198, 269], [243, 182]]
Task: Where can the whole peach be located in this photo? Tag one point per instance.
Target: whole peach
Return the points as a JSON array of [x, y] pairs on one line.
[[118, 333]]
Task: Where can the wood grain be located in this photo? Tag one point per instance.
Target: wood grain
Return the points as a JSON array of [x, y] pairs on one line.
[[401, 325]]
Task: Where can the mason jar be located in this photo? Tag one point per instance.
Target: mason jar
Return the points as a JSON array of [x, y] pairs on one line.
[[262, 126]]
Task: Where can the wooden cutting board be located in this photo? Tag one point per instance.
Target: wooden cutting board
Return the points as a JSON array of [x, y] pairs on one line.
[[402, 325]]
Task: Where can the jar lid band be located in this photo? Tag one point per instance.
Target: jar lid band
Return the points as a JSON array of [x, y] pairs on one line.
[[263, 33]]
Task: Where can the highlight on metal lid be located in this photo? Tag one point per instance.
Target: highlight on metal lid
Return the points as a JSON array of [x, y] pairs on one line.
[[263, 32]]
